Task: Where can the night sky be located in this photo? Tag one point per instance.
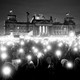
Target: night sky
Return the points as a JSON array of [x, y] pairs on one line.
[[55, 8]]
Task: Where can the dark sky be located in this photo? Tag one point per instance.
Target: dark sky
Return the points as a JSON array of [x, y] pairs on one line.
[[56, 8]]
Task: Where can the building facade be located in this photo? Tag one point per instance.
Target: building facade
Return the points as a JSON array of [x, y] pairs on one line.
[[39, 25]]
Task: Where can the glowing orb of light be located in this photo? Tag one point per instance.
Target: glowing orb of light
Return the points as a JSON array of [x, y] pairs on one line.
[[4, 56], [60, 44], [21, 50], [58, 53], [35, 50], [18, 61], [75, 49], [45, 50], [45, 42], [6, 71], [71, 33], [29, 57], [22, 43], [31, 62], [48, 47], [3, 48], [21, 37], [39, 54], [36, 41], [10, 43], [69, 64]]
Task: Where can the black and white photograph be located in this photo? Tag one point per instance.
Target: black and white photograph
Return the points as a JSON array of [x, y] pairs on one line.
[[39, 39]]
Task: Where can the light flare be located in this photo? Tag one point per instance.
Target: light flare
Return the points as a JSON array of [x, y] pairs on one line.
[[4, 56], [48, 47], [69, 64], [21, 50], [22, 43], [39, 54], [10, 43], [58, 53], [71, 33], [60, 44], [35, 50], [75, 49], [6, 71], [29, 57], [3, 48]]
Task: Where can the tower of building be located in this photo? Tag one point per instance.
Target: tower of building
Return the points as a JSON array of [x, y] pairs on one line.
[[11, 19]]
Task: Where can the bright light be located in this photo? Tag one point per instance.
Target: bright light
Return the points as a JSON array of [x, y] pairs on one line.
[[31, 62], [72, 34], [21, 50], [35, 50], [49, 47], [37, 18], [69, 64], [39, 55], [18, 61], [22, 43], [21, 36], [45, 50], [6, 70], [29, 57], [44, 29], [60, 44], [10, 43], [44, 42], [3, 48], [75, 49], [10, 11], [36, 41], [4, 56], [58, 53]]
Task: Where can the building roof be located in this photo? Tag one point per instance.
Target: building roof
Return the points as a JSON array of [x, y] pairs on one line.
[[57, 23], [42, 21]]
